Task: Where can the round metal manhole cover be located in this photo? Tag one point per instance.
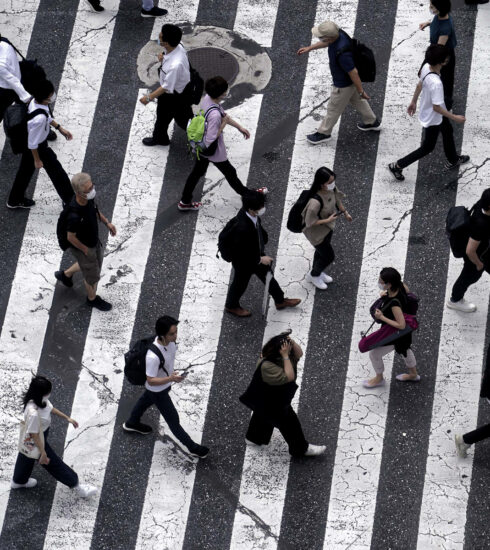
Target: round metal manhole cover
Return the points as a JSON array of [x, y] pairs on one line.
[[211, 62]]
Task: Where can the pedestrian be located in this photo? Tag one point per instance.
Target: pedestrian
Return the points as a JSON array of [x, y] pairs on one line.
[[433, 114], [270, 393], [216, 120], [442, 32], [148, 8], [160, 375], [347, 86], [394, 305], [81, 227], [34, 442], [249, 258], [38, 154], [465, 441], [476, 249], [320, 214], [174, 77], [11, 88]]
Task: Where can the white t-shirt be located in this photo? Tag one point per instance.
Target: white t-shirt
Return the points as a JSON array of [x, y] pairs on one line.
[[39, 126], [153, 365], [10, 71], [175, 74], [37, 420], [432, 94]]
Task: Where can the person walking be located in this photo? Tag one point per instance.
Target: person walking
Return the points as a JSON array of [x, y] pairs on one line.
[[81, 219], [394, 305], [38, 154], [148, 8], [216, 120], [433, 115], [478, 247], [174, 77], [442, 32], [34, 441], [347, 86], [11, 88], [159, 378], [465, 441], [248, 256], [270, 393], [322, 210]]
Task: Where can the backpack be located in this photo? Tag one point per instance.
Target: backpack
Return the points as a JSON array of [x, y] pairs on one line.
[[196, 131], [411, 308], [458, 229], [30, 70], [135, 360], [226, 241], [62, 225], [195, 87], [363, 59], [295, 222], [15, 125]]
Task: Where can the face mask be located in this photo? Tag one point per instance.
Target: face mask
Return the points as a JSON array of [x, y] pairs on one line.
[[90, 195], [52, 99], [261, 212], [331, 186], [381, 286], [46, 397]]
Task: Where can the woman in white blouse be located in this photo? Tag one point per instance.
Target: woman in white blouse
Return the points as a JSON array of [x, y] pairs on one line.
[[37, 418]]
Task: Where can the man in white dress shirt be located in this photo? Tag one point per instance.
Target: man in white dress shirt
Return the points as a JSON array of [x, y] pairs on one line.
[[11, 88], [148, 9], [174, 77]]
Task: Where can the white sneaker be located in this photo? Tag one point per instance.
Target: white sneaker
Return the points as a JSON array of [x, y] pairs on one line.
[[85, 491], [315, 450], [462, 305], [31, 482], [326, 278], [317, 281], [461, 446]]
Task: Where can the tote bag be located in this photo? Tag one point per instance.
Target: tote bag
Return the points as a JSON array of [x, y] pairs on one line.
[[27, 445], [387, 334]]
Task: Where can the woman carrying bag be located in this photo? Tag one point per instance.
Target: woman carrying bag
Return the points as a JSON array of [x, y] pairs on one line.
[[33, 444], [321, 211], [270, 393], [394, 310]]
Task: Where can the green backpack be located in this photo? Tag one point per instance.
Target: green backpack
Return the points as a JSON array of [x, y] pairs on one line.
[[196, 130]]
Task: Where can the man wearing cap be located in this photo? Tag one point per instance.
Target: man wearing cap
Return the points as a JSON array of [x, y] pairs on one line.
[[347, 86]]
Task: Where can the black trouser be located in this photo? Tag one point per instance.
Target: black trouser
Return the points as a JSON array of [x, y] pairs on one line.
[[53, 168], [469, 275], [56, 467], [483, 432], [447, 77], [241, 277], [261, 427], [429, 141], [167, 409], [7, 97], [485, 385], [169, 107], [200, 169], [324, 255]]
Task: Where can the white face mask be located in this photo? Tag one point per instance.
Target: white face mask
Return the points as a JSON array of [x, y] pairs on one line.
[[331, 186], [381, 286], [90, 195], [52, 99], [261, 212]]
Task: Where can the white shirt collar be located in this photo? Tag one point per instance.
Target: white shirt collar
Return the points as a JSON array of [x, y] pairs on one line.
[[255, 219]]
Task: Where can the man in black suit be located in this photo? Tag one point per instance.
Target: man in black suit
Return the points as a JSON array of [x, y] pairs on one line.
[[249, 258]]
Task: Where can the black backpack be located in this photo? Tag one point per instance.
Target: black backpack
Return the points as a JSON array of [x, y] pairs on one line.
[[62, 225], [363, 59], [30, 70], [226, 240], [458, 229], [135, 360], [15, 125], [195, 87], [295, 222]]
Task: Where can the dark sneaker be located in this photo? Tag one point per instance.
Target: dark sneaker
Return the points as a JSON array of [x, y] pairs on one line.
[[154, 12], [397, 172], [374, 127], [24, 203], [183, 207], [317, 138], [99, 303], [151, 141], [62, 278], [200, 451], [95, 5], [462, 159], [140, 428], [52, 136]]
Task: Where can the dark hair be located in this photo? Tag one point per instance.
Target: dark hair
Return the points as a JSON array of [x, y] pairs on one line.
[[171, 34], [271, 350], [484, 201], [164, 324], [38, 388], [253, 200], [42, 90], [436, 53], [442, 6], [216, 86], [392, 276], [322, 175]]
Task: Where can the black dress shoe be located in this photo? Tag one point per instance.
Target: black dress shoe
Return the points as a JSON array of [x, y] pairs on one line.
[[150, 141], [52, 136], [95, 5]]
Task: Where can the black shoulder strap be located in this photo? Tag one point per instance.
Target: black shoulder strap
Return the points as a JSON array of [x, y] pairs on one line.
[[319, 199], [209, 109], [431, 72], [2, 39], [158, 353], [36, 112]]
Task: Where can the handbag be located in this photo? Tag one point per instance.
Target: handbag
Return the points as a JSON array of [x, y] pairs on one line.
[[27, 445], [387, 334]]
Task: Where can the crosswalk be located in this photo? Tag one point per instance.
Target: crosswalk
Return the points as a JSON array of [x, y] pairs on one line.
[[152, 492]]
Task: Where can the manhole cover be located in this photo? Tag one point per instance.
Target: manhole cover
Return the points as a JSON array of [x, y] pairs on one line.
[[211, 62]]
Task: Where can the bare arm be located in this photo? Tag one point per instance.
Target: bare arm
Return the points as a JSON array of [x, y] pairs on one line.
[[72, 239], [308, 49], [63, 415], [471, 253], [398, 323], [354, 76], [38, 163], [443, 39], [158, 381], [444, 112], [412, 108], [39, 441]]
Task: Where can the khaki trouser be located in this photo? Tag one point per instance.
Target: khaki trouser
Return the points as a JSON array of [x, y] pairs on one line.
[[339, 99]]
